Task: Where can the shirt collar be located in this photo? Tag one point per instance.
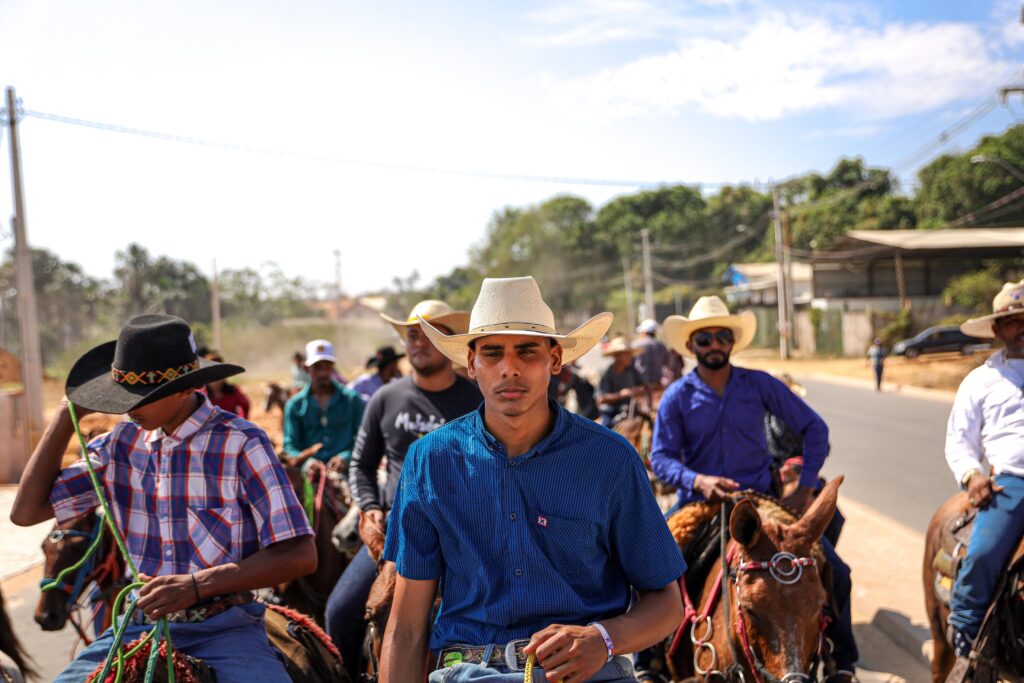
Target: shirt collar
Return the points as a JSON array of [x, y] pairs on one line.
[[561, 424], [186, 429]]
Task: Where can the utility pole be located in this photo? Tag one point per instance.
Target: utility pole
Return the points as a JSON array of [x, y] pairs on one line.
[[645, 235], [781, 276], [215, 309], [31, 357], [628, 281], [337, 284], [787, 266]]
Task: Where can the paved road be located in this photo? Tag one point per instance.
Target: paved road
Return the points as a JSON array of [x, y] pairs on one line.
[[51, 651], [889, 446]]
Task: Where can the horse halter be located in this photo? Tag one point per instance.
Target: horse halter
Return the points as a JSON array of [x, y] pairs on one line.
[[786, 568]]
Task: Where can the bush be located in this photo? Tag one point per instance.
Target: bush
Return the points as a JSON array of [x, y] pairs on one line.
[[901, 327], [973, 291]]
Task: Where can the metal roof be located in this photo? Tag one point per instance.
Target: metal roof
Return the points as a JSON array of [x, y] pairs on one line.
[[953, 238]]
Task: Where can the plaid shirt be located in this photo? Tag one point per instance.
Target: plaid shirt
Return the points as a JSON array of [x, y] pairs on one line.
[[211, 493]]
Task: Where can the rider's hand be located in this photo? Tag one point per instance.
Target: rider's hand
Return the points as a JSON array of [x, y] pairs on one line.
[[799, 500], [165, 594], [300, 459], [981, 490], [337, 464], [714, 489], [564, 651], [80, 412], [376, 519]]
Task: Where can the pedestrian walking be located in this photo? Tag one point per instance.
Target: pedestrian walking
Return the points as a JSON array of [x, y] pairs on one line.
[[876, 354]]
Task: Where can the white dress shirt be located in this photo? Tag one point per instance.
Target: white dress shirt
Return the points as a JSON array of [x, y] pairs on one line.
[[987, 420]]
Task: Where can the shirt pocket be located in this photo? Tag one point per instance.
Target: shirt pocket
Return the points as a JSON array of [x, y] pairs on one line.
[[571, 545], [210, 535]]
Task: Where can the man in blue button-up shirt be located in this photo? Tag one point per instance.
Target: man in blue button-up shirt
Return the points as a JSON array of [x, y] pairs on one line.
[[537, 524], [709, 436]]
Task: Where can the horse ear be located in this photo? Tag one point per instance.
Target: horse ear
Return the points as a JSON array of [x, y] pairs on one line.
[[814, 522], [745, 523]]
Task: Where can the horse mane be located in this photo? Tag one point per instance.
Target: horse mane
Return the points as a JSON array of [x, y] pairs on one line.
[[307, 623], [690, 518], [11, 647]]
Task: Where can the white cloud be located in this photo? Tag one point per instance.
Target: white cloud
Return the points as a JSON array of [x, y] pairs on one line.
[[597, 22], [785, 64]]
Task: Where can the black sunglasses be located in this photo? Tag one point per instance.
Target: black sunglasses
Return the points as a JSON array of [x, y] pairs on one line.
[[703, 338]]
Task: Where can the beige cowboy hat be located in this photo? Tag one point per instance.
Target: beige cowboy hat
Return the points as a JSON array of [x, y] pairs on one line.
[[513, 306], [1009, 301], [709, 311], [618, 345], [435, 311]]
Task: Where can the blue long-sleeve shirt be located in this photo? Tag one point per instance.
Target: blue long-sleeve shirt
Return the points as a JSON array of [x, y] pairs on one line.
[[698, 432]]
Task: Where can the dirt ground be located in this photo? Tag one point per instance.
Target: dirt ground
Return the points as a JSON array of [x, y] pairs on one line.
[[939, 371]]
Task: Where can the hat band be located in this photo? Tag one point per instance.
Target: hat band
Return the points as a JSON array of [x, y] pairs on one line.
[[132, 378], [544, 329], [1012, 307]]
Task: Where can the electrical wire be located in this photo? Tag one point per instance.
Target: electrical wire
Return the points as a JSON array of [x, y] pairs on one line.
[[308, 156]]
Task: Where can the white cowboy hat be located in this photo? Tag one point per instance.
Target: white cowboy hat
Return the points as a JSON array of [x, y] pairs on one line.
[[648, 326], [435, 311], [709, 311], [1009, 301], [513, 306], [618, 345]]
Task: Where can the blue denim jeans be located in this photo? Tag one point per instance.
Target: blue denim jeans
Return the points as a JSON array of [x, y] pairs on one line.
[[234, 643], [997, 529], [346, 608], [619, 670]]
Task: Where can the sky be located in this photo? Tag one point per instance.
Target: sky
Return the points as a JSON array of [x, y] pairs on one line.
[[392, 131]]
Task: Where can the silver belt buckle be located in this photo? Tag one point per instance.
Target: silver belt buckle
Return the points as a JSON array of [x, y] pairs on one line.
[[510, 654]]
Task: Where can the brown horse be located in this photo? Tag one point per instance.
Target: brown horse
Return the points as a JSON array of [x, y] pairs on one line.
[[331, 501], [947, 531], [275, 394], [14, 662], [65, 545], [761, 614]]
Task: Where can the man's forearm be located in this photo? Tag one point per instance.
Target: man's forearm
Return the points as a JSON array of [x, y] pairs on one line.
[[32, 501], [655, 615], [277, 563], [362, 480], [403, 654]]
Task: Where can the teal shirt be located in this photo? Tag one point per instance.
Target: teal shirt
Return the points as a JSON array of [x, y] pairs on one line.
[[306, 423]]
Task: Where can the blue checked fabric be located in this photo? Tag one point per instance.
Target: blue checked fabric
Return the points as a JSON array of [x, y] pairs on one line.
[[557, 535], [212, 492]]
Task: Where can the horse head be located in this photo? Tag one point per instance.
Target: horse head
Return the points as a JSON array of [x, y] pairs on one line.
[[66, 545], [778, 596]]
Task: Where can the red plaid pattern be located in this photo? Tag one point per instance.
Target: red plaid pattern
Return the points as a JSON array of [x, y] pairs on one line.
[[212, 492]]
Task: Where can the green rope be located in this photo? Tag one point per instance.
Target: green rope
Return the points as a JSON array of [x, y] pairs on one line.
[[308, 498], [162, 625], [59, 579]]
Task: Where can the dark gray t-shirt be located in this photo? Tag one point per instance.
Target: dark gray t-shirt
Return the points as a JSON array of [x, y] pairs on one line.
[[397, 415]]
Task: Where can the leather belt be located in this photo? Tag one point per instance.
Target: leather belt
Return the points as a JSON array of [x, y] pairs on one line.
[[509, 655], [202, 612]]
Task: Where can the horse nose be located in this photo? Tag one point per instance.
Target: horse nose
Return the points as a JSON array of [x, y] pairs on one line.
[[49, 620]]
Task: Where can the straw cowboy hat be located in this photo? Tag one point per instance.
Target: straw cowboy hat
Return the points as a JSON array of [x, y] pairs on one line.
[[437, 312], [1009, 301], [153, 357], [618, 345], [513, 306], [709, 311]]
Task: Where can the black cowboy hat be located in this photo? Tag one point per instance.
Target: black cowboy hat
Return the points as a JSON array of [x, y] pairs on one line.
[[153, 357], [384, 357]]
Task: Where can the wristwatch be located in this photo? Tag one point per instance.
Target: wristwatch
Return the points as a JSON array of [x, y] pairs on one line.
[[966, 479]]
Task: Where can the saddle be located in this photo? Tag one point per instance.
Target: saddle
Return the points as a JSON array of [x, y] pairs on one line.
[[309, 654], [1002, 630]]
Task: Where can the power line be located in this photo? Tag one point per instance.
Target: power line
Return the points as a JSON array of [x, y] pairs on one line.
[[323, 158]]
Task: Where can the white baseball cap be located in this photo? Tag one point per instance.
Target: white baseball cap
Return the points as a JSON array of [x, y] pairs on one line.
[[648, 326], [318, 350]]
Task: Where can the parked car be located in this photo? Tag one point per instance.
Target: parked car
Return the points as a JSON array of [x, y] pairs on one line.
[[938, 339]]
